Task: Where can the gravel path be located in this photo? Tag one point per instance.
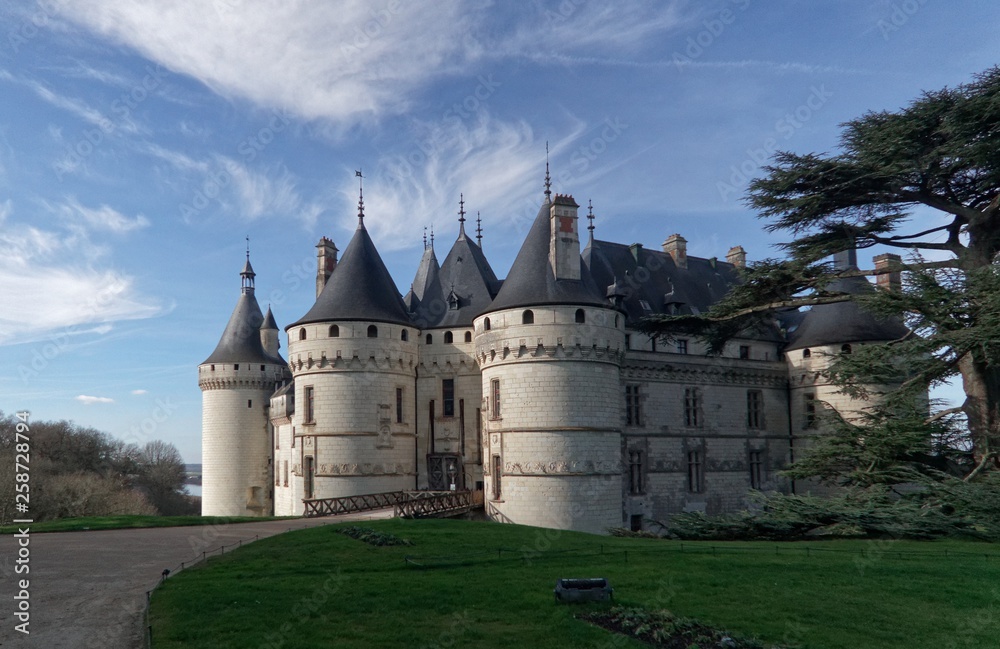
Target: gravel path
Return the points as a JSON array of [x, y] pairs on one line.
[[88, 589]]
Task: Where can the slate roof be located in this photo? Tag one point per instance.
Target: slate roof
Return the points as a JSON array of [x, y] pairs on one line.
[[240, 342], [651, 279], [532, 282], [426, 289], [360, 288], [269, 322], [844, 322], [467, 283]]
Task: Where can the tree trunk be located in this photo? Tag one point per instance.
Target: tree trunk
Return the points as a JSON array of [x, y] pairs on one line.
[[981, 382]]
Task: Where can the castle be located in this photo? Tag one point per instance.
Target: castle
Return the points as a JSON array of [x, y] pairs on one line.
[[536, 390]]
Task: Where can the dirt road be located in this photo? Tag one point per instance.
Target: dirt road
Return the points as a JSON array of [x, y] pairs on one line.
[[88, 589]]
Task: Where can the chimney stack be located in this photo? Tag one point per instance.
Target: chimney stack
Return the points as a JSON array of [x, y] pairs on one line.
[[737, 256], [326, 261], [676, 247], [888, 275], [564, 238]]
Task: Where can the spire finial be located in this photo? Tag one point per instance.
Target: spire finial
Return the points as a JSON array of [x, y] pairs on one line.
[[432, 236], [548, 178], [361, 199], [247, 274], [425, 237], [461, 216], [590, 217], [479, 230]]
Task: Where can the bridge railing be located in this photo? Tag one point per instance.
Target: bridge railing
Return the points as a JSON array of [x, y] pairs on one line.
[[432, 503], [405, 504]]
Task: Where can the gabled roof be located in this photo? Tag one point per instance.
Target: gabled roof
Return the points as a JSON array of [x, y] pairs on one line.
[[360, 288], [467, 283], [531, 280], [240, 342]]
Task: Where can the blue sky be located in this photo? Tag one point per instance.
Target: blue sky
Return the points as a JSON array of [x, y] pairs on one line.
[[140, 143]]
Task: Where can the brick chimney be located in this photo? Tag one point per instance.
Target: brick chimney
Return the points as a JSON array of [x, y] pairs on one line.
[[737, 256], [676, 247], [887, 271], [326, 261], [564, 238]]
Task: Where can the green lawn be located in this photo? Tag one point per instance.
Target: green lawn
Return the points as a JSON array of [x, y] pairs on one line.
[[119, 522], [475, 584]]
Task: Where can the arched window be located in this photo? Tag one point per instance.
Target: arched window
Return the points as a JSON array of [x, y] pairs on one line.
[[429, 339], [302, 333], [468, 336], [806, 353], [334, 331], [448, 338], [404, 336], [528, 317], [845, 348], [486, 324], [581, 316], [372, 331]]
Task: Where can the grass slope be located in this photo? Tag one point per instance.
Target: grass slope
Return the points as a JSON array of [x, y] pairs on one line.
[[120, 522], [472, 584]]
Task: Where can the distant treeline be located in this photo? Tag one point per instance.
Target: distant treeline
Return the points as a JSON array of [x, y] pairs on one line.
[[77, 471]]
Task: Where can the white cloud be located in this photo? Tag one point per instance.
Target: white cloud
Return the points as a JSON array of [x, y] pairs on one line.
[[344, 61], [51, 278], [101, 218], [88, 400], [140, 392], [352, 61]]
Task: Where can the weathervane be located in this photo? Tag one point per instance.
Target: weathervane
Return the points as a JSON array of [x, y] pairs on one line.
[[548, 179], [461, 215], [361, 198]]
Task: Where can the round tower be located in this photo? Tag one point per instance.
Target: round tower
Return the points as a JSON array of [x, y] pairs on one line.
[[823, 333], [237, 381], [353, 358], [550, 349]]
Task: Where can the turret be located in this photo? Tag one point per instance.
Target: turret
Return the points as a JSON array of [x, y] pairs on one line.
[[269, 334], [353, 358], [237, 381], [552, 462]]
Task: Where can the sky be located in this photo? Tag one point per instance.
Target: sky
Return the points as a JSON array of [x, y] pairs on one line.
[[141, 143]]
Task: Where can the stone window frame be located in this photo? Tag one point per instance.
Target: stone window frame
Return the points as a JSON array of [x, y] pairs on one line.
[[633, 404], [755, 410], [309, 403], [495, 399], [638, 465], [694, 401], [445, 401]]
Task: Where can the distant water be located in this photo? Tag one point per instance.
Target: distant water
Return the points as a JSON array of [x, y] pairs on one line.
[[193, 489]]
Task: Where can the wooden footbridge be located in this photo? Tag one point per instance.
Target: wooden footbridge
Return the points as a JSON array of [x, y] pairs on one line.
[[405, 504]]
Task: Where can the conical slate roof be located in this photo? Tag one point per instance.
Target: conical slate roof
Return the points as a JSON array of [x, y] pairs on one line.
[[844, 322], [269, 322], [360, 288], [240, 342], [531, 280]]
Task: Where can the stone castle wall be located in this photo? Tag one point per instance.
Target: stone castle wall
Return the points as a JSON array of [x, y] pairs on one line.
[[236, 438]]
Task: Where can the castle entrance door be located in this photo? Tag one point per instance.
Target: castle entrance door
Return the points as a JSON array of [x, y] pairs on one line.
[[445, 470]]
